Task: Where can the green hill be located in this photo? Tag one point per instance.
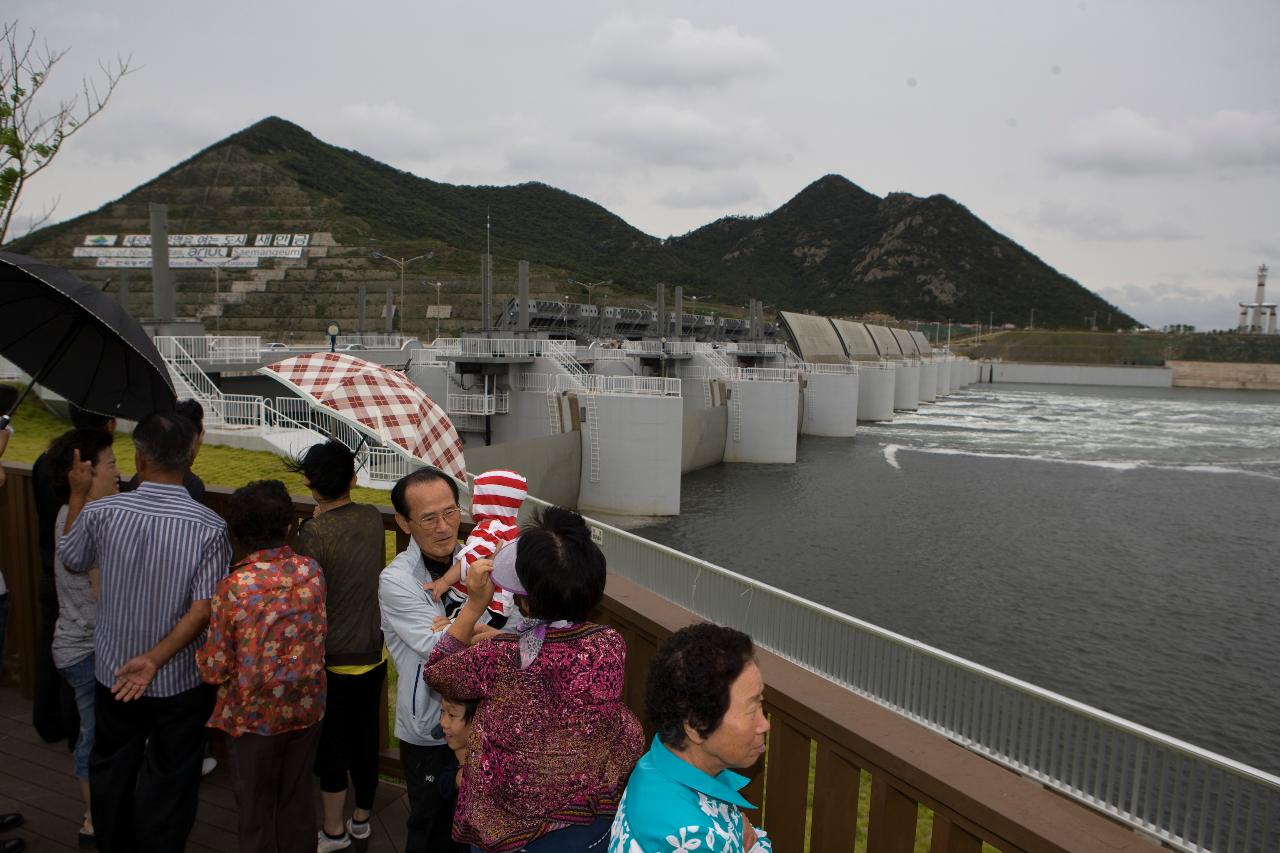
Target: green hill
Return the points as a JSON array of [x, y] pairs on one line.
[[833, 248]]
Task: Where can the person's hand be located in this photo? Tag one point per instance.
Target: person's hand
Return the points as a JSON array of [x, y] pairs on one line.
[[80, 477], [133, 677], [483, 632], [480, 584], [441, 624], [748, 834], [437, 588]]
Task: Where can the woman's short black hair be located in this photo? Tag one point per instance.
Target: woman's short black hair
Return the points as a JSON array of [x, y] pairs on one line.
[[259, 515], [327, 468], [61, 455], [562, 570], [690, 678]]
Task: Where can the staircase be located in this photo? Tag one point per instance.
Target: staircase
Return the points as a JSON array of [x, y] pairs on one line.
[[189, 380]]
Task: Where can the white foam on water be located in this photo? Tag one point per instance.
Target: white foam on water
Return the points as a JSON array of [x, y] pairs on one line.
[[891, 452], [891, 455], [892, 458]]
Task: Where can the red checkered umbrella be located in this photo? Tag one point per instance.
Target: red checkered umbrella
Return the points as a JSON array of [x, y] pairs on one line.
[[380, 402]]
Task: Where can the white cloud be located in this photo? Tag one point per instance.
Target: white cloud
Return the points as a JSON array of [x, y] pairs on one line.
[[722, 192], [653, 52], [662, 135], [1098, 224], [1204, 304], [1124, 142]]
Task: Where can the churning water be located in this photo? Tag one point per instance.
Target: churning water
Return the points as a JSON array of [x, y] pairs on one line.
[[1118, 546]]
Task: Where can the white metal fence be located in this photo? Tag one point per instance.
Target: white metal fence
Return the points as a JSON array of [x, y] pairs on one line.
[[372, 341], [763, 374], [756, 347], [1187, 797], [595, 383], [819, 367], [478, 404], [218, 349]]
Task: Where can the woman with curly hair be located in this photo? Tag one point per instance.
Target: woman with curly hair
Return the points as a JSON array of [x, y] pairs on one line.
[[705, 697]]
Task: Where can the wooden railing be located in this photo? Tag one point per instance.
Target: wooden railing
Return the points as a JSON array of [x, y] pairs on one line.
[[826, 745]]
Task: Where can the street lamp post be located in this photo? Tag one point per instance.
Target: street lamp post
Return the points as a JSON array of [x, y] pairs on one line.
[[217, 288], [402, 263], [438, 283], [591, 286]]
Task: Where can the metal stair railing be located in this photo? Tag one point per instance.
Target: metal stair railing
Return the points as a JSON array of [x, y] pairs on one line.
[[563, 355], [184, 371]]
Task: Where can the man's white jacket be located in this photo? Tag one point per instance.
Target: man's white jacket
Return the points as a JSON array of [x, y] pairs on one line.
[[408, 612]]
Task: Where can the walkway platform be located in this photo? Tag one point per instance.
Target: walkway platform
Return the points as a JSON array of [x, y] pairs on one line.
[[36, 780]]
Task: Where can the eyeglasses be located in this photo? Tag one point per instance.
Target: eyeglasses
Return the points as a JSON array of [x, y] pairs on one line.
[[431, 519]]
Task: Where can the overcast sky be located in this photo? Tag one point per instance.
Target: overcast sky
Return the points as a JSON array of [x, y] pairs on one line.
[[1132, 144]]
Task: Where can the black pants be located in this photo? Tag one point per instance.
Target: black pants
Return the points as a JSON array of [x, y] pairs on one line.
[[53, 704], [272, 778], [144, 771], [430, 813], [349, 735]]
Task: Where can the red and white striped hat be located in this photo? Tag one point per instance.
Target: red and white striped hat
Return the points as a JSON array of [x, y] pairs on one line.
[[498, 494]]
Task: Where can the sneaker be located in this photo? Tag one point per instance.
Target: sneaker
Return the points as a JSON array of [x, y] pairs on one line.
[[358, 829], [324, 843], [209, 765]]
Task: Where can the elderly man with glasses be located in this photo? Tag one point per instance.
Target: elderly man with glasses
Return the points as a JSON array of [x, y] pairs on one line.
[[426, 504]]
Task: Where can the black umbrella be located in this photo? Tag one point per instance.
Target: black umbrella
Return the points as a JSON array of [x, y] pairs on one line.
[[78, 342]]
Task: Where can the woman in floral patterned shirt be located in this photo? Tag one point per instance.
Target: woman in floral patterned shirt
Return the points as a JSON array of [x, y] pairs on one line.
[[705, 697], [265, 651]]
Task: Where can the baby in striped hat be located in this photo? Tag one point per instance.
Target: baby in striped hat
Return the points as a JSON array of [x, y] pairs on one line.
[[495, 503]]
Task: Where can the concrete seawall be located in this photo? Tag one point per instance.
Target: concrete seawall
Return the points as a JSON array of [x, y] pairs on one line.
[[1218, 374]]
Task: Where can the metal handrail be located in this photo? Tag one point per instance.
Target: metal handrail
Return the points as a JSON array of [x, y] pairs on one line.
[[222, 349], [1184, 795], [763, 374], [595, 383], [820, 367]]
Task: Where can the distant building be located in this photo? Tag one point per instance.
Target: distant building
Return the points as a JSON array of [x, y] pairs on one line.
[[1259, 316]]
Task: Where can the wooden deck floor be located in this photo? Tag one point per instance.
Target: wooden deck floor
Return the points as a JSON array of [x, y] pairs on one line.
[[36, 780]]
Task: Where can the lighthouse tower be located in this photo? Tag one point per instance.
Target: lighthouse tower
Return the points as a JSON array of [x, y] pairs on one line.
[[1259, 316]]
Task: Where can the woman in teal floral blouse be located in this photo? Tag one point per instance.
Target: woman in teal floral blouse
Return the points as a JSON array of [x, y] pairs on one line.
[[705, 697]]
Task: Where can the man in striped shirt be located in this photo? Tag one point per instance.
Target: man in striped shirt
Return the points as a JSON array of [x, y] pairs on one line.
[[161, 555]]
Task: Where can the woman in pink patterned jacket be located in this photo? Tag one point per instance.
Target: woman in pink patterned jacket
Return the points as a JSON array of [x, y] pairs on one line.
[[552, 743]]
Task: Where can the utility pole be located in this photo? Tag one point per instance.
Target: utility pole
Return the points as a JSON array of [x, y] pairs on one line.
[[590, 287], [402, 263], [438, 283], [217, 287], [1031, 325]]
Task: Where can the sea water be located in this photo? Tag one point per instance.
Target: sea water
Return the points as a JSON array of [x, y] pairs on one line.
[[1117, 546]]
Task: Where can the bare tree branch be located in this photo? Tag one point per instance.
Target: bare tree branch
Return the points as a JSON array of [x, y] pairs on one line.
[[31, 137]]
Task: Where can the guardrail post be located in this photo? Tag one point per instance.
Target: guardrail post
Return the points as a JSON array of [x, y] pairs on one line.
[[835, 800], [788, 783], [891, 828], [948, 837]]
